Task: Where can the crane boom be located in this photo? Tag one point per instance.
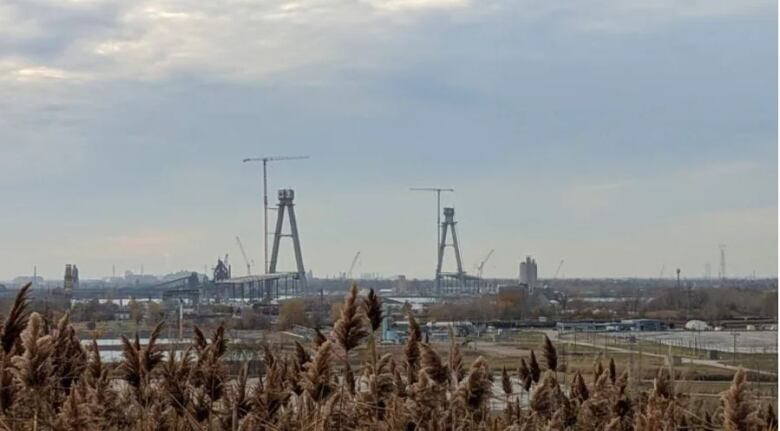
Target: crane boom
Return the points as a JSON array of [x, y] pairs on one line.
[[271, 159], [246, 259], [352, 265], [484, 261], [558, 270], [431, 189]]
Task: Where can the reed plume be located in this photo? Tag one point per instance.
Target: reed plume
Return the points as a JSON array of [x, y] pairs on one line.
[[270, 396], [524, 374], [31, 367], [319, 338], [16, 320], [533, 367], [770, 418], [506, 382], [349, 378], [432, 365], [318, 380], [550, 354], [412, 350], [69, 357], [579, 390], [349, 329], [372, 307], [598, 369], [76, 414], [238, 396], [199, 340], [209, 374], [739, 413], [175, 372], [301, 355], [475, 390], [612, 370], [455, 361], [95, 365], [151, 355]]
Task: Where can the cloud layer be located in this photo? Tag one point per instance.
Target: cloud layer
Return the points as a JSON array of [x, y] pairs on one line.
[[594, 131]]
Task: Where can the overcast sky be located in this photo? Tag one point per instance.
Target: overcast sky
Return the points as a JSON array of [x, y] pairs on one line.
[[619, 136]]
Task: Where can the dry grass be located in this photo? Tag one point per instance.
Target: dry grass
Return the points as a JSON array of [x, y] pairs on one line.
[[48, 381]]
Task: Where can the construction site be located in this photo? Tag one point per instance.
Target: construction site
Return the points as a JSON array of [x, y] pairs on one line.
[[642, 324]]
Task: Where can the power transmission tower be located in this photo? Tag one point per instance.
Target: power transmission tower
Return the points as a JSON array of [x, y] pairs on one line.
[[265, 161]]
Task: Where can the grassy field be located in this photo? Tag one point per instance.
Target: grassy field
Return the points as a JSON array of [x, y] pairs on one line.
[[643, 358]]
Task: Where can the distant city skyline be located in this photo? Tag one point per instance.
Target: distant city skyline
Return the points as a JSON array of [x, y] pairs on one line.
[[620, 137]]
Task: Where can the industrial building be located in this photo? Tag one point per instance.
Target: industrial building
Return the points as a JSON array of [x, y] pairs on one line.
[[71, 279], [528, 273], [396, 332]]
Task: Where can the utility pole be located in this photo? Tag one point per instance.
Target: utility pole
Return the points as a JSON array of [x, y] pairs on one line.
[[265, 161], [438, 191]]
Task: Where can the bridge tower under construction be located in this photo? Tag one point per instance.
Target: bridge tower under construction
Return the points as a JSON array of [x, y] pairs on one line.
[[274, 283], [449, 226], [286, 197]]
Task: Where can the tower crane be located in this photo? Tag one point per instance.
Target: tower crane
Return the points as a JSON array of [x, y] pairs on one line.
[[352, 266], [481, 265], [246, 259]]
